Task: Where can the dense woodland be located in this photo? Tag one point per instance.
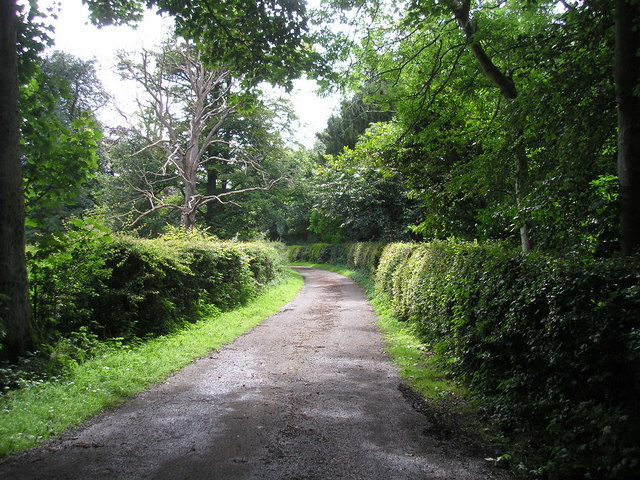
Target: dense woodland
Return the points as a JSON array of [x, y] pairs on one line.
[[495, 144]]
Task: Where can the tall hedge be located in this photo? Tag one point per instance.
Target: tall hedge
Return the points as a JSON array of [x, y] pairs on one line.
[[128, 287], [360, 255], [552, 346]]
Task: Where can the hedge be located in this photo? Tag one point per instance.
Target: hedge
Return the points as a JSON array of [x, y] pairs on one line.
[[360, 255], [550, 346], [128, 287]]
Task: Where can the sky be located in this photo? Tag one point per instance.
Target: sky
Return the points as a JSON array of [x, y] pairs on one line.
[[75, 35]]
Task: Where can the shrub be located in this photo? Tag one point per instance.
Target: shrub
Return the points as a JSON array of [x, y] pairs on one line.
[[119, 286], [267, 261], [315, 253], [363, 255], [359, 255], [392, 256], [66, 272], [552, 346]]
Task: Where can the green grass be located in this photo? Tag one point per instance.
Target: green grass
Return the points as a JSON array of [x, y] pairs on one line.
[[32, 415]]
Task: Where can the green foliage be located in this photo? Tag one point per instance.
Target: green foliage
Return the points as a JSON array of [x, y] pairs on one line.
[[327, 228], [282, 213], [33, 34], [456, 141], [265, 41], [157, 285], [358, 255], [345, 129], [550, 345], [119, 190], [81, 90], [363, 255], [360, 203], [312, 253], [59, 138], [395, 255], [117, 286], [67, 272]]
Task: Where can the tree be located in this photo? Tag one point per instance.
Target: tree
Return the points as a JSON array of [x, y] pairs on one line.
[[123, 177], [182, 115], [283, 213], [15, 309], [76, 84], [355, 198], [360, 202], [344, 129], [627, 77], [461, 138], [258, 130], [461, 11], [60, 136]]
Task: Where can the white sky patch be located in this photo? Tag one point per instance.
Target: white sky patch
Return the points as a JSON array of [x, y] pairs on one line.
[[75, 35]]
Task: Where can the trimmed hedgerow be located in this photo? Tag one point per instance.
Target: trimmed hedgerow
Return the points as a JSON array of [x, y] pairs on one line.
[[359, 255], [128, 287], [363, 255], [551, 346], [316, 253]]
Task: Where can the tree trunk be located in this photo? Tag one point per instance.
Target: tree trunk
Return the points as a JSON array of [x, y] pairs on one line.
[[522, 188], [188, 213], [15, 309], [212, 189], [626, 75], [188, 219], [190, 205]]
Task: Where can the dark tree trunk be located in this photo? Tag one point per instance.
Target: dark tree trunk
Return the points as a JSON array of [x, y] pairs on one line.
[[626, 75], [461, 9], [212, 185], [15, 309]]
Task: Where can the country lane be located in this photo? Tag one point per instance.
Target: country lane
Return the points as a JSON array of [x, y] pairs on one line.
[[308, 394]]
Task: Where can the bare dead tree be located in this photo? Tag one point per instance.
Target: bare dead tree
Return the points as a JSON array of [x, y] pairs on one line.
[[182, 107]]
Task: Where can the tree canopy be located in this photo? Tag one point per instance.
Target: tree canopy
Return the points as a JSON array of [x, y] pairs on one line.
[[504, 119], [264, 40]]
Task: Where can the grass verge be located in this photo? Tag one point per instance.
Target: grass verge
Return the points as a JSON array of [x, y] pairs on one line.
[[37, 413]]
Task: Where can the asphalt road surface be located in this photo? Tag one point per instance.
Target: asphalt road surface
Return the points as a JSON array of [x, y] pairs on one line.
[[308, 394]]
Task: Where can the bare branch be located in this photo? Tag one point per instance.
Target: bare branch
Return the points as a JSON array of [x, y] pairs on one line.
[[189, 105]]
